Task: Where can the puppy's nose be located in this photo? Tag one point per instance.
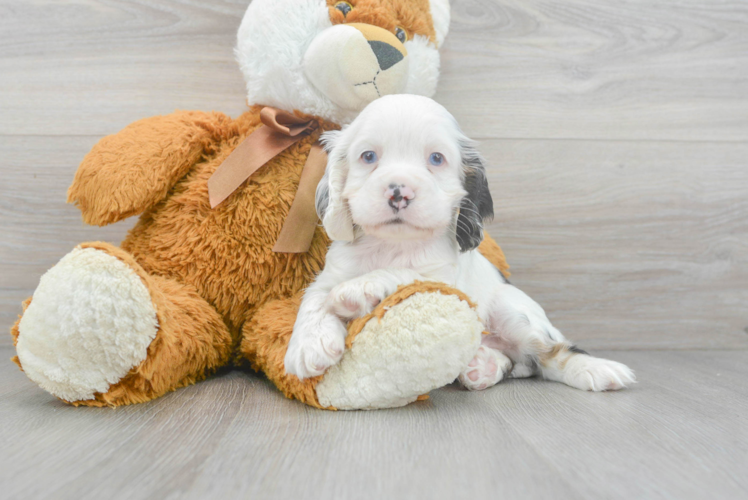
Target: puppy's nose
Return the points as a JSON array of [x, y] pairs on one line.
[[399, 196]]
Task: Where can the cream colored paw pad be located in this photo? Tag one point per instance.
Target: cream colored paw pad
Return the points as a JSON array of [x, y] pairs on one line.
[[394, 360], [90, 321]]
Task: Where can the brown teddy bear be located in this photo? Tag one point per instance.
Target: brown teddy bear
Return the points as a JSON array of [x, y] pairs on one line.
[[213, 272]]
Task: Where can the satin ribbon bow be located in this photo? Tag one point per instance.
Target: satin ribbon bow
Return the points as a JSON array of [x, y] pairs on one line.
[[278, 131]]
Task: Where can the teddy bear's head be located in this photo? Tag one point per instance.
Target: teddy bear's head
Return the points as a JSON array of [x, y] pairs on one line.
[[330, 58]]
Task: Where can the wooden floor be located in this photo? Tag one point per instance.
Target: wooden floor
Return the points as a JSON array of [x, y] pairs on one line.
[[681, 433], [617, 134]]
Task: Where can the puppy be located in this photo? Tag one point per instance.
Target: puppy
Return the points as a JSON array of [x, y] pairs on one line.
[[404, 198]]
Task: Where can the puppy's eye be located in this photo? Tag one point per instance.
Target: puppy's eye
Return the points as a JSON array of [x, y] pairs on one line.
[[401, 34], [369, 157], [344, 7], [436, 159]]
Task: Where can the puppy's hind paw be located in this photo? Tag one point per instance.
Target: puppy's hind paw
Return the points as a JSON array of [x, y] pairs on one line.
[[486, 369], [589, 373]]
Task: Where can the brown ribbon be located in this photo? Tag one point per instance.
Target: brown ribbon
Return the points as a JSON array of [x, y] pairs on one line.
[[278, 131], [298, 229]]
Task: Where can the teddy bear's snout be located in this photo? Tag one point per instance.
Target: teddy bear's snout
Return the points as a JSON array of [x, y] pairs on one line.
[[353, 64]]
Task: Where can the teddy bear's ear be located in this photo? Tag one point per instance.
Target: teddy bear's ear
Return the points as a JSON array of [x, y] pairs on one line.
[[331, 207], [440, 14]]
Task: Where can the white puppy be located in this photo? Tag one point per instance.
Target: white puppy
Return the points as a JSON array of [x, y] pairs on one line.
[[404, 198]]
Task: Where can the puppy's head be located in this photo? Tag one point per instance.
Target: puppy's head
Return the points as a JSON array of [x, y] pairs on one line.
[[403, 169]]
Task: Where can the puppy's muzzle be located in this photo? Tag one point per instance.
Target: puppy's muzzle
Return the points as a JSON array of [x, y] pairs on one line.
[[399, 196], [353, 64]]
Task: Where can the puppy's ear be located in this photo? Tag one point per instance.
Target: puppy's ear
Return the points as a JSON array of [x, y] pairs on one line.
[[331, 207], [322, 195], [477, 205]]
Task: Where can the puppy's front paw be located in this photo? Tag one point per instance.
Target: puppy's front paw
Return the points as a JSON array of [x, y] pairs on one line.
[[315, 347], [355, 298], [597, 374], [486, 369]]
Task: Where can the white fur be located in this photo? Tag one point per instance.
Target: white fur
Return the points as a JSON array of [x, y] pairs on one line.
[[488, 367], [341, 64], [392, 361], [403, 131], [423, 69], [273, 40], [440, 14], [89, 322]]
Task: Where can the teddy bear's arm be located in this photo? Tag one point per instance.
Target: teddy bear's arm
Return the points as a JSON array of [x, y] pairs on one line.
[[132, 170]]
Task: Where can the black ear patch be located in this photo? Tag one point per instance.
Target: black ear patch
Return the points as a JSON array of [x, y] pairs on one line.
[[477, 205]]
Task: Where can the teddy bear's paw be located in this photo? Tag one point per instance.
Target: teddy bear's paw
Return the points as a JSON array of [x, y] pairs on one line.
[[357, 297], [421, 343], [315, 347], [89, 322], [486, 369]]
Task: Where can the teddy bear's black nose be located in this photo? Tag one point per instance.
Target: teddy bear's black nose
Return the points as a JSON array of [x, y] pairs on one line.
[[387, 55]]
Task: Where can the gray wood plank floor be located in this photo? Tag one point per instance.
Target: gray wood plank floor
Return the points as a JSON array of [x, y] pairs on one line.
[[680, 433], [617, 134]]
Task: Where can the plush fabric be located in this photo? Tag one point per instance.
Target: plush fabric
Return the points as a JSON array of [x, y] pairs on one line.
[[358, 63], [274, 35], [266, 336], [192, 289], [107, 188], [219, 292], [226, 252], [493, 252], [264, 341], [413, 16], [89, 298], [389, 361]]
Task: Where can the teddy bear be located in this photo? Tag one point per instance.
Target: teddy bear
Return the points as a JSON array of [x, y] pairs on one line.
[[213, 272]]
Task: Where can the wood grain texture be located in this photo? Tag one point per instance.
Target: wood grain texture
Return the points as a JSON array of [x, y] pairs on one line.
[[598, 69], [90, 67], [585, 69], [680, 433], [628, 244]]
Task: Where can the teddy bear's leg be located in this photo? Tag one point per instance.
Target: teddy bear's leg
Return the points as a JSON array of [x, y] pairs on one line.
[[99, 330], [416, 340], [265, 338]]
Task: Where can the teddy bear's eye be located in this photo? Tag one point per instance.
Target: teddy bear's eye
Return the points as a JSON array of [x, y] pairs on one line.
[[401, 34], [344, 7]]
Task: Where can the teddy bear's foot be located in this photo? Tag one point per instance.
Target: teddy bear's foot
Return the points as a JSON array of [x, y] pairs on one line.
[[93, 333], [416, 340], [90, 321]]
